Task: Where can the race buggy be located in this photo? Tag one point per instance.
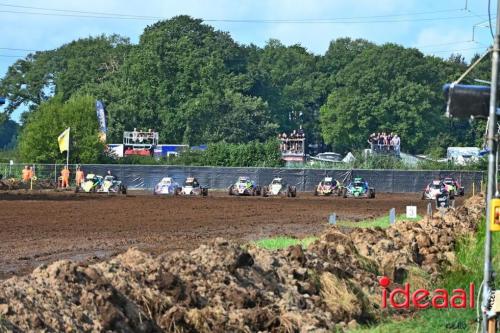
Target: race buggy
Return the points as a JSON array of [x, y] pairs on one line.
[[99, 184], [244, 186], [192, 187], [328, 186], [443, 200], [359, 189], [167, 186], [433, 190], [279, 187], [453, 187]]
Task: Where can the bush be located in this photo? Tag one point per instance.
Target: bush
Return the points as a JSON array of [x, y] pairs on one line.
[[252, 154], [378, 162]]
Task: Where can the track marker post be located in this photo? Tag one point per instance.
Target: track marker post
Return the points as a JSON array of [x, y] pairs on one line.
[[392, 216]]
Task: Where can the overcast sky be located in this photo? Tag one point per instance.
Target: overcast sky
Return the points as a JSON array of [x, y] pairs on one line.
[[436, 27]]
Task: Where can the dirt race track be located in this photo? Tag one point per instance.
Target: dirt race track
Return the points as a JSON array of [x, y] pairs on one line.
[[44, 227]]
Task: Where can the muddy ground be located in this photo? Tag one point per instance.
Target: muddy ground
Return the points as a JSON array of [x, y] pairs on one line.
[[46, 226]]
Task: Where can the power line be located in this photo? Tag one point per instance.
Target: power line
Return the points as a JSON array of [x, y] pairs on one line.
[[132, 16], [337, 21], [489, 19], [72, 15], [443, 44], [12, 56], [453, 51], [81, 11], [311, 21], [417, 46], [440, 51], [14, 49]]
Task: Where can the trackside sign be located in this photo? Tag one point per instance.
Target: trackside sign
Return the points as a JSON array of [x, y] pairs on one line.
[[402, 298]]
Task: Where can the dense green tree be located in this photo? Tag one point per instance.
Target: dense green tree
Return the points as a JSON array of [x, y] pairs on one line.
[[38, 138], [289, 80], [387, 88], [63, 71], [185, 79], [194, 85], [341, 52], [8, 134]]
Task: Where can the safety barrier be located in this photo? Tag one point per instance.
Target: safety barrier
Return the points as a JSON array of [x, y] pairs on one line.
[[146, 176]]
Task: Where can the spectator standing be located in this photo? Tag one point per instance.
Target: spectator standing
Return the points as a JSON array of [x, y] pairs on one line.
[[285, 141], [372, 139], [389, 137], [26, 174], [396, 142], [134, 135], [295, 136], [79, 177], [301, 132], [65, 177], [380, 140]]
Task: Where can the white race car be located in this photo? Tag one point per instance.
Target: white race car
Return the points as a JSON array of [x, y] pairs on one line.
[[244, 186], [433, 190], [279, 187], [167, 186], [192, 187]]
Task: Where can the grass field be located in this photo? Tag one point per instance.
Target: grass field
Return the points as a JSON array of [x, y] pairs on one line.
[[282, 242], [382, 222]]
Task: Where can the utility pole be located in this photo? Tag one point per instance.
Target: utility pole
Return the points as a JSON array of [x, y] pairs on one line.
[[488, 283]]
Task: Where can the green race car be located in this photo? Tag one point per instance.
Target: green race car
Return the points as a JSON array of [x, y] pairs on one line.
[[359, 188]]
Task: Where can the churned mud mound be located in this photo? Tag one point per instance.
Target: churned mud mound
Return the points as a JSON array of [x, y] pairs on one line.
[[428, 244], [224, 287], [40, 227]]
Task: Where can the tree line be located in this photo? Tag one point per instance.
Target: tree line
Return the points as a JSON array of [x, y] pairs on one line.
[[196, 85]]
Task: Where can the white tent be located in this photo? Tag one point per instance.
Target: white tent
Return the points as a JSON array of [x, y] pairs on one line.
[[349, 158]]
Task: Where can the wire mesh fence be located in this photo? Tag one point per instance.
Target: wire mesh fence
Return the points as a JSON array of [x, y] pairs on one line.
[[145, 177]]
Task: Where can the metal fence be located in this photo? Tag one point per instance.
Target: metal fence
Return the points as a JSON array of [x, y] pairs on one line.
[[146, 176]]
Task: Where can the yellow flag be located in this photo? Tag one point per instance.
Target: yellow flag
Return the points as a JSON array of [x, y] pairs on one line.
[[63, 140]]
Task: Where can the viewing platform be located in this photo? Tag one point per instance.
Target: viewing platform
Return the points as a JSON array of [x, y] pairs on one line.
[[139, 142], [293, 150]]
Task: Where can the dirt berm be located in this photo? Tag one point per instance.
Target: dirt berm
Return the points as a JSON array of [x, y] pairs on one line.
[[14, 184], [221, 287]]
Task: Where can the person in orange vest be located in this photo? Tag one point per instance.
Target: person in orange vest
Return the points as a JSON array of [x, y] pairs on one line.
[[79, 176], [65, 177], [27, 174]]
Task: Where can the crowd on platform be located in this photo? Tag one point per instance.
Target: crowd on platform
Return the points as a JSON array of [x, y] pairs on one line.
[[293, 142], [144, 136], [383, 141]]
